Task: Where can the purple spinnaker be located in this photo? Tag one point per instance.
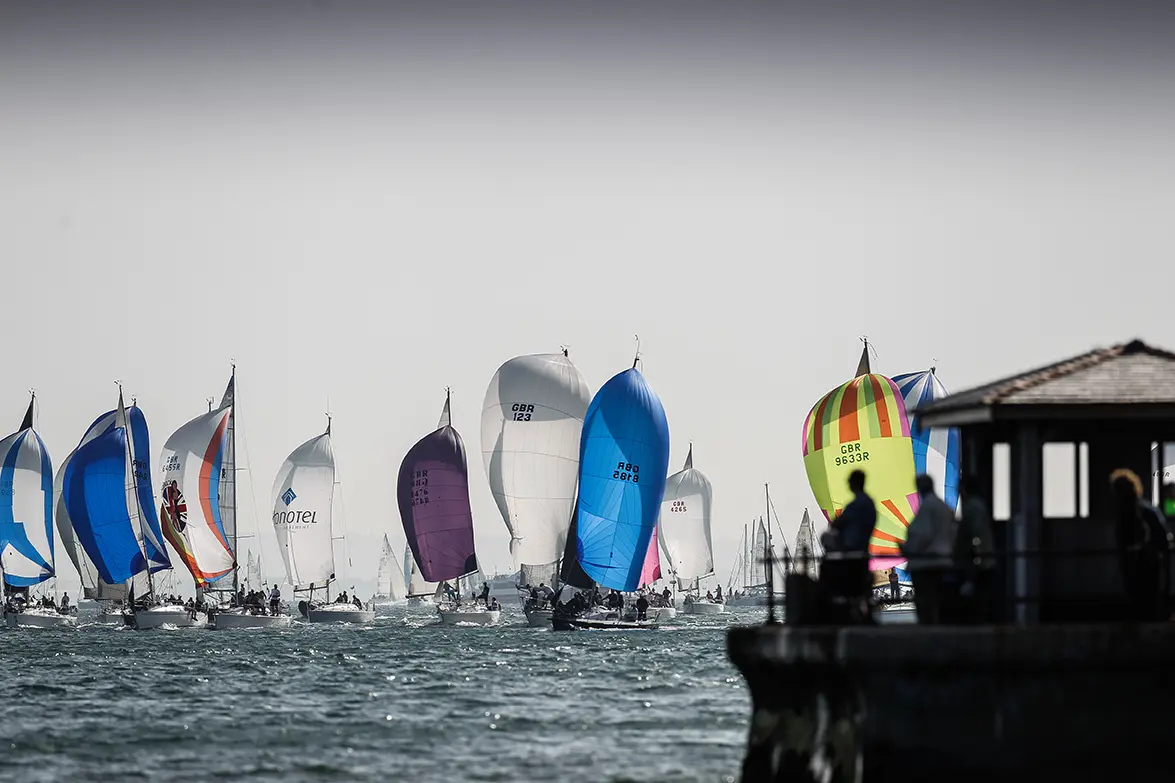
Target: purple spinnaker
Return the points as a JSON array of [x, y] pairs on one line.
[[433, 493]]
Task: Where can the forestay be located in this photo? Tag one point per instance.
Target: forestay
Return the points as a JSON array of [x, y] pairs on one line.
[[531, 423], [197, 472], [624, 453], [26, 506], [302, 494], [685, 523]]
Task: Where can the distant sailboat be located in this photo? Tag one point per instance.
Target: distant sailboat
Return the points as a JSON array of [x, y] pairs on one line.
[[26, 527], [433, 494], [303, 520], [420, 590], [808, 551], [624, 453], [531, 423], [685, 534], [110, 503], [389, 579]]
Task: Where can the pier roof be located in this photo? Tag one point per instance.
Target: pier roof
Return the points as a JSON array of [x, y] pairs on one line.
[[1127, 381]]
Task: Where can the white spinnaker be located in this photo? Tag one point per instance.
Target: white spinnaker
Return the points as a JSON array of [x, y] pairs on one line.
[[685, 524], [22, 454], [188, 454], [531, 423], [302, 495], [417, 584]]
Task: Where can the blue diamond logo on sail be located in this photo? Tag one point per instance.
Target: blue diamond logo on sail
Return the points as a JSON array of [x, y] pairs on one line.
[[288, 496]]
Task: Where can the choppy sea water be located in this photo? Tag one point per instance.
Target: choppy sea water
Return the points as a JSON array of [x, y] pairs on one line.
[[402, 699]]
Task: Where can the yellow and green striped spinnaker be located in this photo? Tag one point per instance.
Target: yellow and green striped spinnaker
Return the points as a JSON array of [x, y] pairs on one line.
[[863, 424]]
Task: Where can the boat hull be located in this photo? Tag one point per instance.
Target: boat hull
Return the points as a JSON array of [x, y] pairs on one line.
[[704, 607], [39, 620], [231, 620], [538, 618], [344, 614], [466, 617], [578, 624], [157, 617]]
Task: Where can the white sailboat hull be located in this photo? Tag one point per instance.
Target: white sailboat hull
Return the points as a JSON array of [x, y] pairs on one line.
[[420, 600], [109, 617], [468, 616], [538, 618], [159, 616], [40, 618], [234, 619], [704, 607], [340, 613]]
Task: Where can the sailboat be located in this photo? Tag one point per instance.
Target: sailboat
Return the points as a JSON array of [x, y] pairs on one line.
[[432, 491], [26, 527], [808, 550], [420, 590], [651, 573], [686, 537], [109, 503], [389, 579], [531, 423], [623, 456], [303, 520], [199, 464]]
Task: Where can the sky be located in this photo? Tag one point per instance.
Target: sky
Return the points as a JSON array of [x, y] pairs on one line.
[[361, 204]]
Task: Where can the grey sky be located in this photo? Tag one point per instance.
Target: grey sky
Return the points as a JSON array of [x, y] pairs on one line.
[[367, 205]]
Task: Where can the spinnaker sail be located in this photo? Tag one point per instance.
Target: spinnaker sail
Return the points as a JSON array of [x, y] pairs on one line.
[[862, 424], [938, 451], [303, 498], [197, 507], [685, 524], [651, 570], [26, 506], [531, 423], [624, 453], [433, 495]]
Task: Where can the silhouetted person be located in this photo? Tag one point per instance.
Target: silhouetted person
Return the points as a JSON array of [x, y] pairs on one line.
[[642, 606], [848, 576], [929, 543], [893, 584], [973, 556], [1143, 544]]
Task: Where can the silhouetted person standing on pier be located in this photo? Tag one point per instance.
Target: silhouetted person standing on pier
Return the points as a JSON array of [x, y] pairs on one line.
[[1144, 542], [852, 530], [929, 541], [973, 553]]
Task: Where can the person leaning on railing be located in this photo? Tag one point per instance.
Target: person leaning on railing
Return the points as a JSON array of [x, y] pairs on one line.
[[973, 554], [1144, 546]]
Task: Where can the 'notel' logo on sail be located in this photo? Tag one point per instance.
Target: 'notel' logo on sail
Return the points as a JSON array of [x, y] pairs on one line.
[[288, 496]]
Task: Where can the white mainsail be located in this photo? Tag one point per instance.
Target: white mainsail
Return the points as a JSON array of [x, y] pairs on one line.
[[757, 554], [417, 584], [303, 492], [531, 423], [389, 579], [197, 471], [685, 523], [806, 547]]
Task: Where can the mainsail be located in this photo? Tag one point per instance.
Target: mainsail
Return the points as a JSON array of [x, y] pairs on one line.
[[303, 494], [757, 568], [806, 546], [389, 579], [26, 507], [198, 507], [531, 422], [624, 453], [938, 451], [108, 498], [685, 523], [862, 424], [433, 495]]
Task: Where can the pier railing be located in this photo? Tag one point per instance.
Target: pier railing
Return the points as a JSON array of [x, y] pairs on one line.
[[1072, 584]]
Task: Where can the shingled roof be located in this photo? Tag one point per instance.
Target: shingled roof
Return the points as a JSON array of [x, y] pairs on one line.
[[1128, 374]]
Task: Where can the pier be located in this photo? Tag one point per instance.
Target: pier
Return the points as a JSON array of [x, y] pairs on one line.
[[1063, 685]]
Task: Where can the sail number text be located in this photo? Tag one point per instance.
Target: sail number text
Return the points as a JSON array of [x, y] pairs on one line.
[[677, 507], [522, 411], [627, 471], [419, 487], [851, 453], [6, 489], [172, 464]]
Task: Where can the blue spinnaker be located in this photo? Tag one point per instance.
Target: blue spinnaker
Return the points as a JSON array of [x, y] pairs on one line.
[[623, 459]]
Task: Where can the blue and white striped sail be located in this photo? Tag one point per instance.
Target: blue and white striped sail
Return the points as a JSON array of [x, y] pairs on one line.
[[26, 507], [623, 458], [937, 450], [108, 498]]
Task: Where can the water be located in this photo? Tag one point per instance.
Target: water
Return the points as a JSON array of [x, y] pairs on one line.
[[399, 700]]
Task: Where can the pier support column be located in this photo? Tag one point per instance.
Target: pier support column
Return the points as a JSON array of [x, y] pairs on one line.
[[1027, 510]]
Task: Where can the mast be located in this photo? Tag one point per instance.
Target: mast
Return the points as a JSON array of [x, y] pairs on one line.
[[232, 441], [130, 451]]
